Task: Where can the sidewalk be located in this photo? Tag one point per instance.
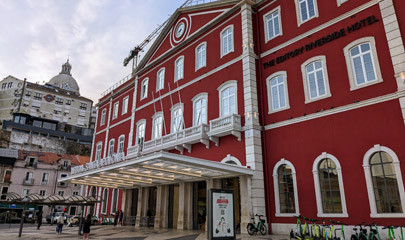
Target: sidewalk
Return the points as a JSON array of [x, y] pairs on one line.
[[114, 233]]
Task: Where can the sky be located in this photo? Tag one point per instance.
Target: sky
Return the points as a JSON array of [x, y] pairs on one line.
[[37, 37]]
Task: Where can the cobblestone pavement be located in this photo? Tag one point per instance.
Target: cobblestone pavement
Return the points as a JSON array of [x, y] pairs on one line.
[[9, 232]]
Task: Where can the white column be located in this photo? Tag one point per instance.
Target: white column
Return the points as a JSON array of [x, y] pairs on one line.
[[185, 206], [139, 213], [396, 46], [253, 146], [162, 205], [245, 202]]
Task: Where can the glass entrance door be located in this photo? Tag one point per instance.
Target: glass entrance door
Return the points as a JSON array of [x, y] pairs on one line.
[[199, 205], [233, 184]]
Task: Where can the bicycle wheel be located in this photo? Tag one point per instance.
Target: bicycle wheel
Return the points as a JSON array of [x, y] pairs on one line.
[[251, 229], [263, 230]]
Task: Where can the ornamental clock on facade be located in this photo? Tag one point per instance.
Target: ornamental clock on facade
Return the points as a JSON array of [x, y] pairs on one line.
[[180, 30]]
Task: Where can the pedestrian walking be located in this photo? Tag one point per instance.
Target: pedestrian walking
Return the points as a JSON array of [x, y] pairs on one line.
[[60, 222], [117, 213], [39, 220], [86, 227], [121, 217]]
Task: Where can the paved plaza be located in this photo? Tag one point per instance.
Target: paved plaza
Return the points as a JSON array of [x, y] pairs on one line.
[[108, 232]]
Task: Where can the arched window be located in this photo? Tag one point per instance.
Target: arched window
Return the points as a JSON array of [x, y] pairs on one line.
[[111, 147], [103, 113], [104, 201], [329, 189], [200, 103], [157, 125], [177, 118], [228, 98], [140, 133], [384, 182], [315, 77], [144, 88], [227, 41], [98, 150], [201, 56], [285, 189], [278, 92], [160, 80], [114, 201], [121, 140], [179, 69]]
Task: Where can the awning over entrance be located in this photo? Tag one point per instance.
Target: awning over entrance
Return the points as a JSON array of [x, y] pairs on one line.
[[156, 169]]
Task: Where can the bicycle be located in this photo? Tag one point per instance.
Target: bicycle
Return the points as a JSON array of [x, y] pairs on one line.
[[391, 233], [252, 228], [361, 235], [373, 234], [300, 232], [342, 230]]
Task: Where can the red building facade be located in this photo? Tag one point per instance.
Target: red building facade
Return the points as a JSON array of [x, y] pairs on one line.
[[298, 106]]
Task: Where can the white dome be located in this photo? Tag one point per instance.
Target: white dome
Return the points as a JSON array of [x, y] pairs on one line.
[[65, 80]]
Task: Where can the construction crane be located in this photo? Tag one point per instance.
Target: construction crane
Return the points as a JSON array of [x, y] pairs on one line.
[[134, 53]]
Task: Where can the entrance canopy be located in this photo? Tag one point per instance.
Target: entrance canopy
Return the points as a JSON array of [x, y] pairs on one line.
[[160, 168], [36, 199]]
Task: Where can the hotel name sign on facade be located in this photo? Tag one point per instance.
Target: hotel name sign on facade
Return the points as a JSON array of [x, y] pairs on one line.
[[99, 163]]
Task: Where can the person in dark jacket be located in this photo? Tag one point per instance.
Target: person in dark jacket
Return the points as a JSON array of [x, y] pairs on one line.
[[86, 227], [39, 220]]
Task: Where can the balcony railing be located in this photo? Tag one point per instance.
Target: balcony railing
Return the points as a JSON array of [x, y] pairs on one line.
[[29, 181], [180, 140], [228, 125]]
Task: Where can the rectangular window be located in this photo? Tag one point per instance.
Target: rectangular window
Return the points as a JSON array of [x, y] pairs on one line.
[[4, 86], [307, 9], [61, 193], [200, 111], [42, 192], [179, 69], [111, 147], [83, 106], [227, 41], [115, 112], [75, 193], [38, 96], [316, 82], [28, 93], [68, 101], [277, 91], [26, 192], [98, 151], [10, 85], [125, 105], [103, 113], [273, 24], [201, 55], [157, 127], [160, 81], [362, 64], [121, 144], [4, 190], [59, 101], [7, 176], [144, 88], [141, 133], [45, 178]]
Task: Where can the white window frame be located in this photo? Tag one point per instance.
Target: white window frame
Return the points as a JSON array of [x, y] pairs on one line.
[[204, 63], [111, 144], [176, 69], [99, 148], [195, 99], [144, 93], [230, 48], [121, 142], [103, 115], [104, 203], [115, 110], [298, 12], [222, 87], [266, 27], [154, 117], [277, 192], [315, 172], [40, 192], [327, 94], [340, 2], [374, 57], [369, 183], [178, 106], [125, 103], [138, 124], [269, 92], [160, 80]]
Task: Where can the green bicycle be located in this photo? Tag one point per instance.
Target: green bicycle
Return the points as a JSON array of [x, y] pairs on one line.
[[252, 228], [391, 233], [301, 232], [335, 230]]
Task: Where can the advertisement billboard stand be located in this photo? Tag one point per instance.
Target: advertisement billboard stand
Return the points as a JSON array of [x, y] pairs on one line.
[[221, 215]]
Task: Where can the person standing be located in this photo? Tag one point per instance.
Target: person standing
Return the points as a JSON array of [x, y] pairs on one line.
[[149, 215], [60, 222], [117, 213], [86, 227], [39, 220], [121, 217]]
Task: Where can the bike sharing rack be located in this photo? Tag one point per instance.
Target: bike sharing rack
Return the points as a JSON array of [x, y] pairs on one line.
[[52, 200], [221, 215]]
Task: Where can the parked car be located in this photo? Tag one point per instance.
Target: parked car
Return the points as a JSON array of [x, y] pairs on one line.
[[74, 220]]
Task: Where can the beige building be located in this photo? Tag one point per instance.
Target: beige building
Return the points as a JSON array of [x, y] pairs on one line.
[[58, 100]]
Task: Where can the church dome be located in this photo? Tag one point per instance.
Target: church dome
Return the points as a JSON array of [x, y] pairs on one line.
[[64, 79]]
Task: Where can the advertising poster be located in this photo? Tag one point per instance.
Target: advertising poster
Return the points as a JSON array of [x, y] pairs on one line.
[[223, 215]]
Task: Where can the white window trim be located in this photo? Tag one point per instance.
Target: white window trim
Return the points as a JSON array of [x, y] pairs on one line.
[[277, 193], [173, 109], [39, 192], [340, 2], [352, 79], [156, 115], [125, 108], [116, 200], [146, 91], [196, 98], [229, 158], [266, 28], [269, 96], [123, 141], [298, 12], [142, 121], [157, 79], [196, 56], [233, 43], [369, 183], [328, 94], [101, 150], [118, 107], [223, 86], [106, 202], [103, 116], [315, 172], [109, 146], [175, 69]]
